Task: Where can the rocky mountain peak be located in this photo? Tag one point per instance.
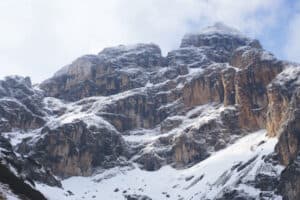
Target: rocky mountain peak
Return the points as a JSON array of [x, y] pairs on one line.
[[120, 56], [218, 36], [137, 49], [114, 116], [19, 80], [16, 87], [113, 70], [221, 28], [144, 55]]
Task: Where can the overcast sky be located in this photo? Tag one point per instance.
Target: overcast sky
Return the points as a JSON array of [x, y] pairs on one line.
[[38, 37]]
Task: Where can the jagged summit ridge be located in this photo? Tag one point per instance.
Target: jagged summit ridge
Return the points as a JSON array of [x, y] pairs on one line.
[[209, 36], [125, 67], [132, 54]]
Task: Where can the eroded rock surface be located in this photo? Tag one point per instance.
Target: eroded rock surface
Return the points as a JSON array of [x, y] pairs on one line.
[[73, 149], [20, 104], [113, 70]]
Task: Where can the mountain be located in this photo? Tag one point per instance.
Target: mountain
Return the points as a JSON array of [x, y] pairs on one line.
[[215, 119]]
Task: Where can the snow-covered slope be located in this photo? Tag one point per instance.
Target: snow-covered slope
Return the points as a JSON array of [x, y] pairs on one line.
[[232, 168]]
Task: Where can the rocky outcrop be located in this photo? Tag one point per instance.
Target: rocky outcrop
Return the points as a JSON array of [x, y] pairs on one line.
[[150, 161], [289, 181], [206, 88], [193, 142], [277, 109], [136, 111], [186, 150], [136, 197], [142, 110], [283, 113], [281, 93], [28, 168], [199, 141], [18, 185], [112, 71], [218, 36], [245, 87], [289, 140], [74, 149], [19, 173], [20, 104], [228, 82], [16, 115], [251, 92], [283, 122]]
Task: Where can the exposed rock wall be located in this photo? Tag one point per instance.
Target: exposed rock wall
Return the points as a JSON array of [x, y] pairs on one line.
[[20, 104], [289, 136], [113, 70], [137, 111], [283, 122], [251, 92], [206, 88], [277, 110], [73, 149], [290, 182], [19, 173], [187, 150], [245, 87]]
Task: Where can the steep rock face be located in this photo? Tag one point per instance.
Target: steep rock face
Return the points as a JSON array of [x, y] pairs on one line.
[[19, 172], [218, 36], [289, 139], [283, 113], [228, 83], [199, 141], [223, 40], [15, 115], [137, 111], [281, 92], [73, 149], [277, 109], [193, 139], [290, 183], [20, 104], [246, 87], [251, 92], [113, 70], [144, 108], [205, 88], [283, 121], [18, 186], [187, 150]]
